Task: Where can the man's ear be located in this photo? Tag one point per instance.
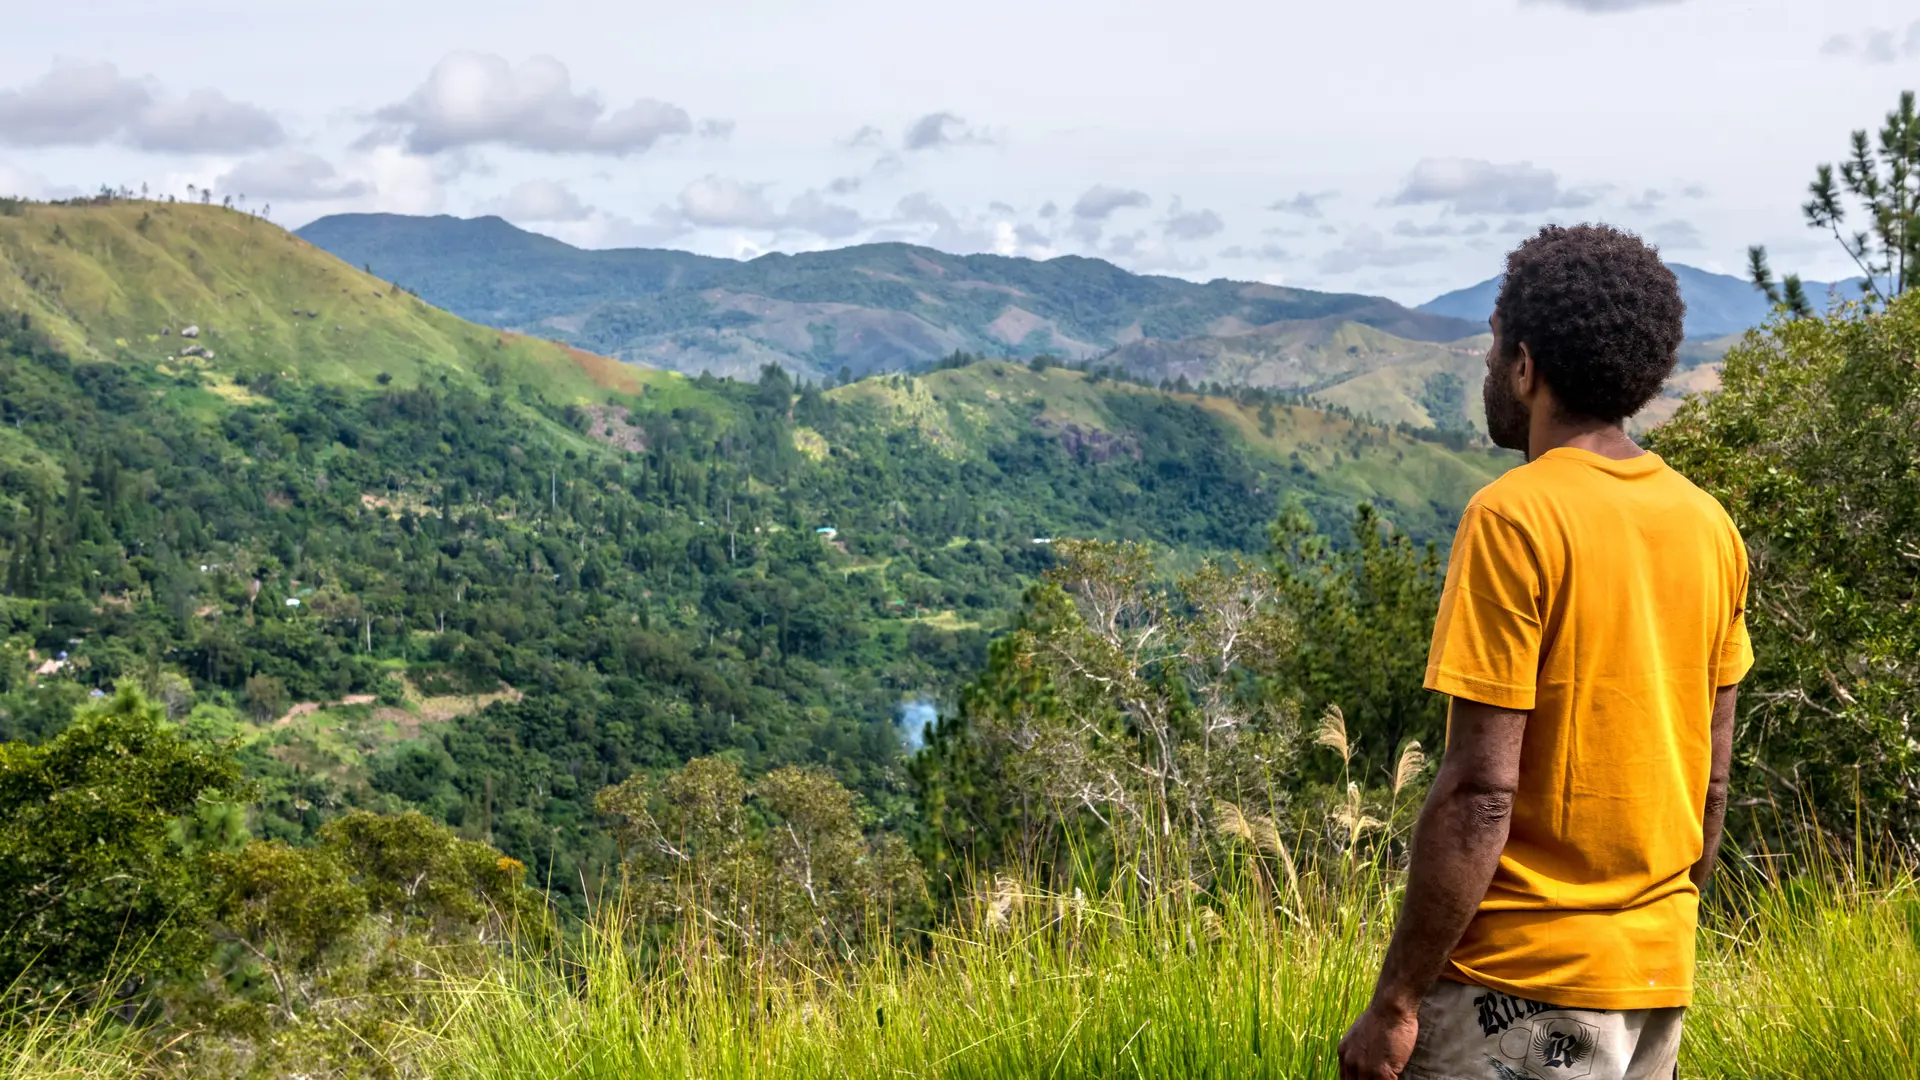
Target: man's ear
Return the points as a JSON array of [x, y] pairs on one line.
[[1526, 374]]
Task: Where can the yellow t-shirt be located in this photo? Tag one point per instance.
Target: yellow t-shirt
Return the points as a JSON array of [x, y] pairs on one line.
[[1607, 599]]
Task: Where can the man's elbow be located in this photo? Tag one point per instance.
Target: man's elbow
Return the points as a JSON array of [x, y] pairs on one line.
[[1483, 803], [1490, 809], [1716, 802]]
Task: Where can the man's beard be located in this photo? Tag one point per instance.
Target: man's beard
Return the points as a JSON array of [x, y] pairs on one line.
[[1507, 419]]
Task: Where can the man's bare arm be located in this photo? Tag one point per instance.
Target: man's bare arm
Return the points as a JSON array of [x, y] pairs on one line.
[[1456, 848], [1714, 816]]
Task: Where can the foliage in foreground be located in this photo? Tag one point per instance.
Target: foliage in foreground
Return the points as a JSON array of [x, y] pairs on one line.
[[1813, 445], [1815, 977]]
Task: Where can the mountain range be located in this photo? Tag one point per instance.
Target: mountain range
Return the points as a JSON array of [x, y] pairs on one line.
[[869, 308], [832, 316]]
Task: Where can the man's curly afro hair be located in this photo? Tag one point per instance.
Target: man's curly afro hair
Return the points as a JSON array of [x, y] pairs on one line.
[[1598, 311]]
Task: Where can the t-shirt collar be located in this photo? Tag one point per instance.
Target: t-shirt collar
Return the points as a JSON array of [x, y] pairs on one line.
[[1646, 463]]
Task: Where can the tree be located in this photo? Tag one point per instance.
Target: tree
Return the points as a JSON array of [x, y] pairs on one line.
[[422, 879], [1118, 706], [266, 697], [1883, 175], [1812, 445], [761, 864], [1365, 614], [1790, 293], [95, 877]]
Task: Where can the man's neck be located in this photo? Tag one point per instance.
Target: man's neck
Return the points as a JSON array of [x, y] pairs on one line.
[[1593, 436]]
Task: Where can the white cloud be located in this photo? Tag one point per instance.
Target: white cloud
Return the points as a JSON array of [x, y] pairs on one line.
[[722, 202], [719, 202], [291, 174], [1415, 231], [810, 212], [1141, 253], [716, 129], [539, 200], [950, 232], [1472, 186], [76, 104], [1647, 201], [919, 218], [476, 99], [1191, 224], [1366, 248], [1096, 205], [1306, 204], [406, 183], [1876, 45], [204, 120], [1099, 202], [1605, 7], [1263, 253], [936, 130], [1677, 235]]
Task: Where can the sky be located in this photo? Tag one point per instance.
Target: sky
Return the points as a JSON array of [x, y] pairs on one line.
[[1395, 147]]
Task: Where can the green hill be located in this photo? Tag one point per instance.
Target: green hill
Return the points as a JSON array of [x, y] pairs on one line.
[[974, 409], [123, 280], [1341, 363], [870, 308]]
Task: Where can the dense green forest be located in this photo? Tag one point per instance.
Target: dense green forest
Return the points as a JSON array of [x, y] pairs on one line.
[[612, 609]]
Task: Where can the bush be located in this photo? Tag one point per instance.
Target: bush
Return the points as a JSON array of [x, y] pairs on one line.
[[1813, 445], [95, 879]]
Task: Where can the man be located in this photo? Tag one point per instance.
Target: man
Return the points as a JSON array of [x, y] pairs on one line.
[[1590, 634]]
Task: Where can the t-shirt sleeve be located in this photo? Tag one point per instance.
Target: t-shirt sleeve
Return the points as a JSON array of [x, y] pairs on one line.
[[1735, 658], [1486, 639]]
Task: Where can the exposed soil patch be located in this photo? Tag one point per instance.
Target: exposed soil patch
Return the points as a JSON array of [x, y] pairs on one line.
[[613, 425], [1090, 446]]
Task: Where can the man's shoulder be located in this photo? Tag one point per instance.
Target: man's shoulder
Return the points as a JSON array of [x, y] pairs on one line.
[[1520, 493], [1553, 493]]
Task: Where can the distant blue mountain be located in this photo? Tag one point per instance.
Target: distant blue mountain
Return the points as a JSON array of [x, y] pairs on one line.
[[1717, 304]]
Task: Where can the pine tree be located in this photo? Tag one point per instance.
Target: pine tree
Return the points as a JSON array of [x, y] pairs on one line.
[[1884, 177]]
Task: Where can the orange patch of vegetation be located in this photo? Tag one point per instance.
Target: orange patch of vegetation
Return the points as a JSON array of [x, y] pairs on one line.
[[606, 372]]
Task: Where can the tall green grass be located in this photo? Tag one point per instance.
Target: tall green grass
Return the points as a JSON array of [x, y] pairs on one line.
[[51, 1043], [1810, 971], [1815, 977]]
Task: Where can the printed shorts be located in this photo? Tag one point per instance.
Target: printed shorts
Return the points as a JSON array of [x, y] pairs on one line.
[[1473, 1033]]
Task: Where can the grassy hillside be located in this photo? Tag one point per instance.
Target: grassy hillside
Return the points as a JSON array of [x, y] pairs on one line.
[[1372, 373], [970, 410], [870, 308], [122, 281], [1346, 364]]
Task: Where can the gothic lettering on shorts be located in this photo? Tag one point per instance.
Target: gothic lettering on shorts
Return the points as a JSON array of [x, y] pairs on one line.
[[1564, 1044], [1497, 1011], [1559, 1050]]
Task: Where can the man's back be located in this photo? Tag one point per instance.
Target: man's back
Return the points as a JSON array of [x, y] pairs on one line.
[[1603, 597]]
